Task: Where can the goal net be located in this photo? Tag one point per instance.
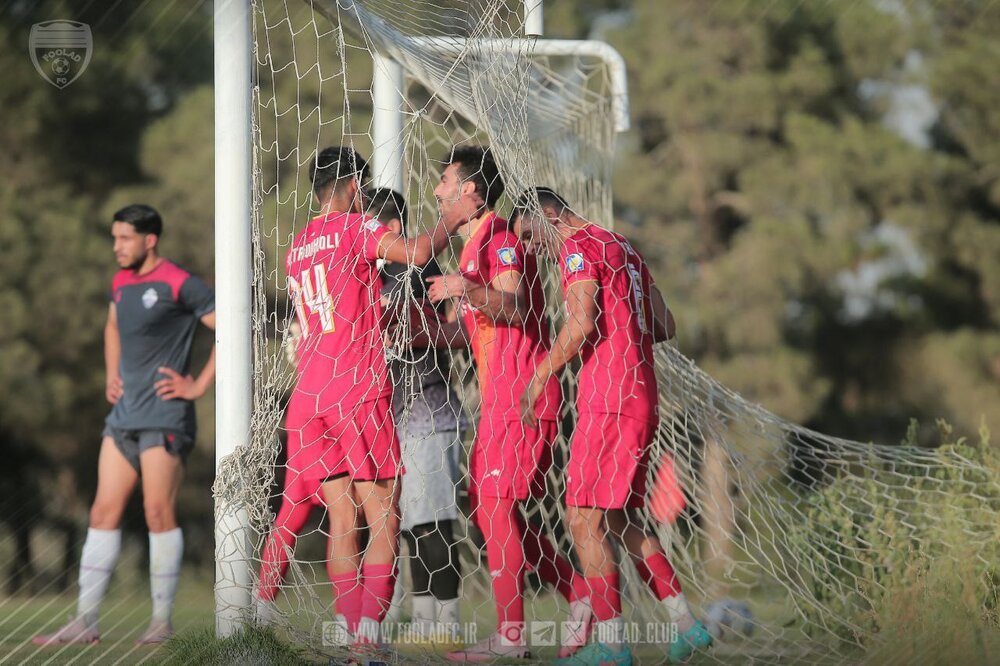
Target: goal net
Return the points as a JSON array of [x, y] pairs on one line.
[[785, 540]]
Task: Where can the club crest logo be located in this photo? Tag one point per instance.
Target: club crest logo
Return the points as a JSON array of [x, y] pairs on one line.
[[507, 256], [574, 263], [149, 298], [60, 50]]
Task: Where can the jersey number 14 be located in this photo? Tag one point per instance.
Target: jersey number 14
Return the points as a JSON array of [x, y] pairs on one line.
[[312, 295]]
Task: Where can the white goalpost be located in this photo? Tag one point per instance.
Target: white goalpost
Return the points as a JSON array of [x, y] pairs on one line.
[[233, 273]]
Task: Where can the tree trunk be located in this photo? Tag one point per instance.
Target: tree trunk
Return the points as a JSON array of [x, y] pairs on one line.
[[22, 569]]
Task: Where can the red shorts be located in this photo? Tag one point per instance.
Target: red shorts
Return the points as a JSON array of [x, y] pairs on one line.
[[608, 461], [509, 460], [362, 443], [299, 489]]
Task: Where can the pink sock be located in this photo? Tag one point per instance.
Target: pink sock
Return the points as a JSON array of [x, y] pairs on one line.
[[349, 593], [505, 554], [379, 583], [656, 571], [551, 567], [605, 599], [274, 559]]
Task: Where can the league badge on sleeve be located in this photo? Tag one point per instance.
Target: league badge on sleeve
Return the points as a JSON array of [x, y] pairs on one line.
[[507, 256], [373, 225], [574, 263]]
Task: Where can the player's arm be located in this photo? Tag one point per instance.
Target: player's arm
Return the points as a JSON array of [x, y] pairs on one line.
[[433, 331], [113, 387], [189, 388], [581, 322], [504, 300], [418, 250], [664, 327]]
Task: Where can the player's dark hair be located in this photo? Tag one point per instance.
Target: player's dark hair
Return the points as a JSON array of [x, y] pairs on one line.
[[546, 196], [336, 165], [387, 205], [476, 164], [144, 218]]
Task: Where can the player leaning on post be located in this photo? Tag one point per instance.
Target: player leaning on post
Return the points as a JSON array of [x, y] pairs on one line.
[[614, 315], [340, 425], [154, 311]]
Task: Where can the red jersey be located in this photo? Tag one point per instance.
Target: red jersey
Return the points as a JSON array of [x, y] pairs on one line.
[[506, 354], [617, 374], [335, 286]]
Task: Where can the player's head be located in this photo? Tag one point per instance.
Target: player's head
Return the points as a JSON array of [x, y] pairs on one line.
[[337, 174], [136, 230], [388, 206], [470, 183], [539, 226]]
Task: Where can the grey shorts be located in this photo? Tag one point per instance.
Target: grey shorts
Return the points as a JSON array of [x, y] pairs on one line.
[[132, 443], [428, 492]]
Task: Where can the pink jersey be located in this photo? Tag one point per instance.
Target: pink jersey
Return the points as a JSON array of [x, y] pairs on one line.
[[617, 374], [506, 354], [335, 286]]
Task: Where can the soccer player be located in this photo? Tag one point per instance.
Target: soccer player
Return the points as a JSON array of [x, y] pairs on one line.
[[339, 417], [154, 311], [614, 315], [501, 305], [430, 423], [298, 499]]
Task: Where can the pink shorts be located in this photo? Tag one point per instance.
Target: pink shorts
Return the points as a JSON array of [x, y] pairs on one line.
[[362, 443], [509, 460], [608, 460], [299, 489]]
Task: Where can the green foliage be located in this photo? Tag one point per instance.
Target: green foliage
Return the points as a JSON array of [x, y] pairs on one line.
[[247, 647], [761, 173], [885, 526]]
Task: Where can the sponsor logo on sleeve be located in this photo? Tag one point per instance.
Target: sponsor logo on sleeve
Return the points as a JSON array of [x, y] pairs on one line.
[[507, 256], [574, 263]]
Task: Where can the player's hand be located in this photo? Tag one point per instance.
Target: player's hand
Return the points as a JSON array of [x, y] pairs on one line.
[[114, 389], [443, 287], [177, 386], [528, 400]]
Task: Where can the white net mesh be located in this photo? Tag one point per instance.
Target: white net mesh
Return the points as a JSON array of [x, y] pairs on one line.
[[784, 540]]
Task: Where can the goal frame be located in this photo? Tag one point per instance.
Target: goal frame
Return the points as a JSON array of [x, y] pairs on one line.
[[233, 44]]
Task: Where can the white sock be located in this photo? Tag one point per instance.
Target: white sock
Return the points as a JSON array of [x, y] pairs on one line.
[[448, 617], [393, 616], [680, 612], [165, 552], [264, 612], [424, 614], [611, 632], [100, 552]]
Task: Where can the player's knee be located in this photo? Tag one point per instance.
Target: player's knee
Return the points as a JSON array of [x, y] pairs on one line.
[[105, 515], [159, 515], [581, 526], [342, 525]]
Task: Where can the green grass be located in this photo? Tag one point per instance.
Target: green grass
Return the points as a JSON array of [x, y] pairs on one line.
[[125, 614]]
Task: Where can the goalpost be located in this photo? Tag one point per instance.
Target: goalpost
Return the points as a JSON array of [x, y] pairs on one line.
[[233, 273], [801, 528], [233, 73]]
